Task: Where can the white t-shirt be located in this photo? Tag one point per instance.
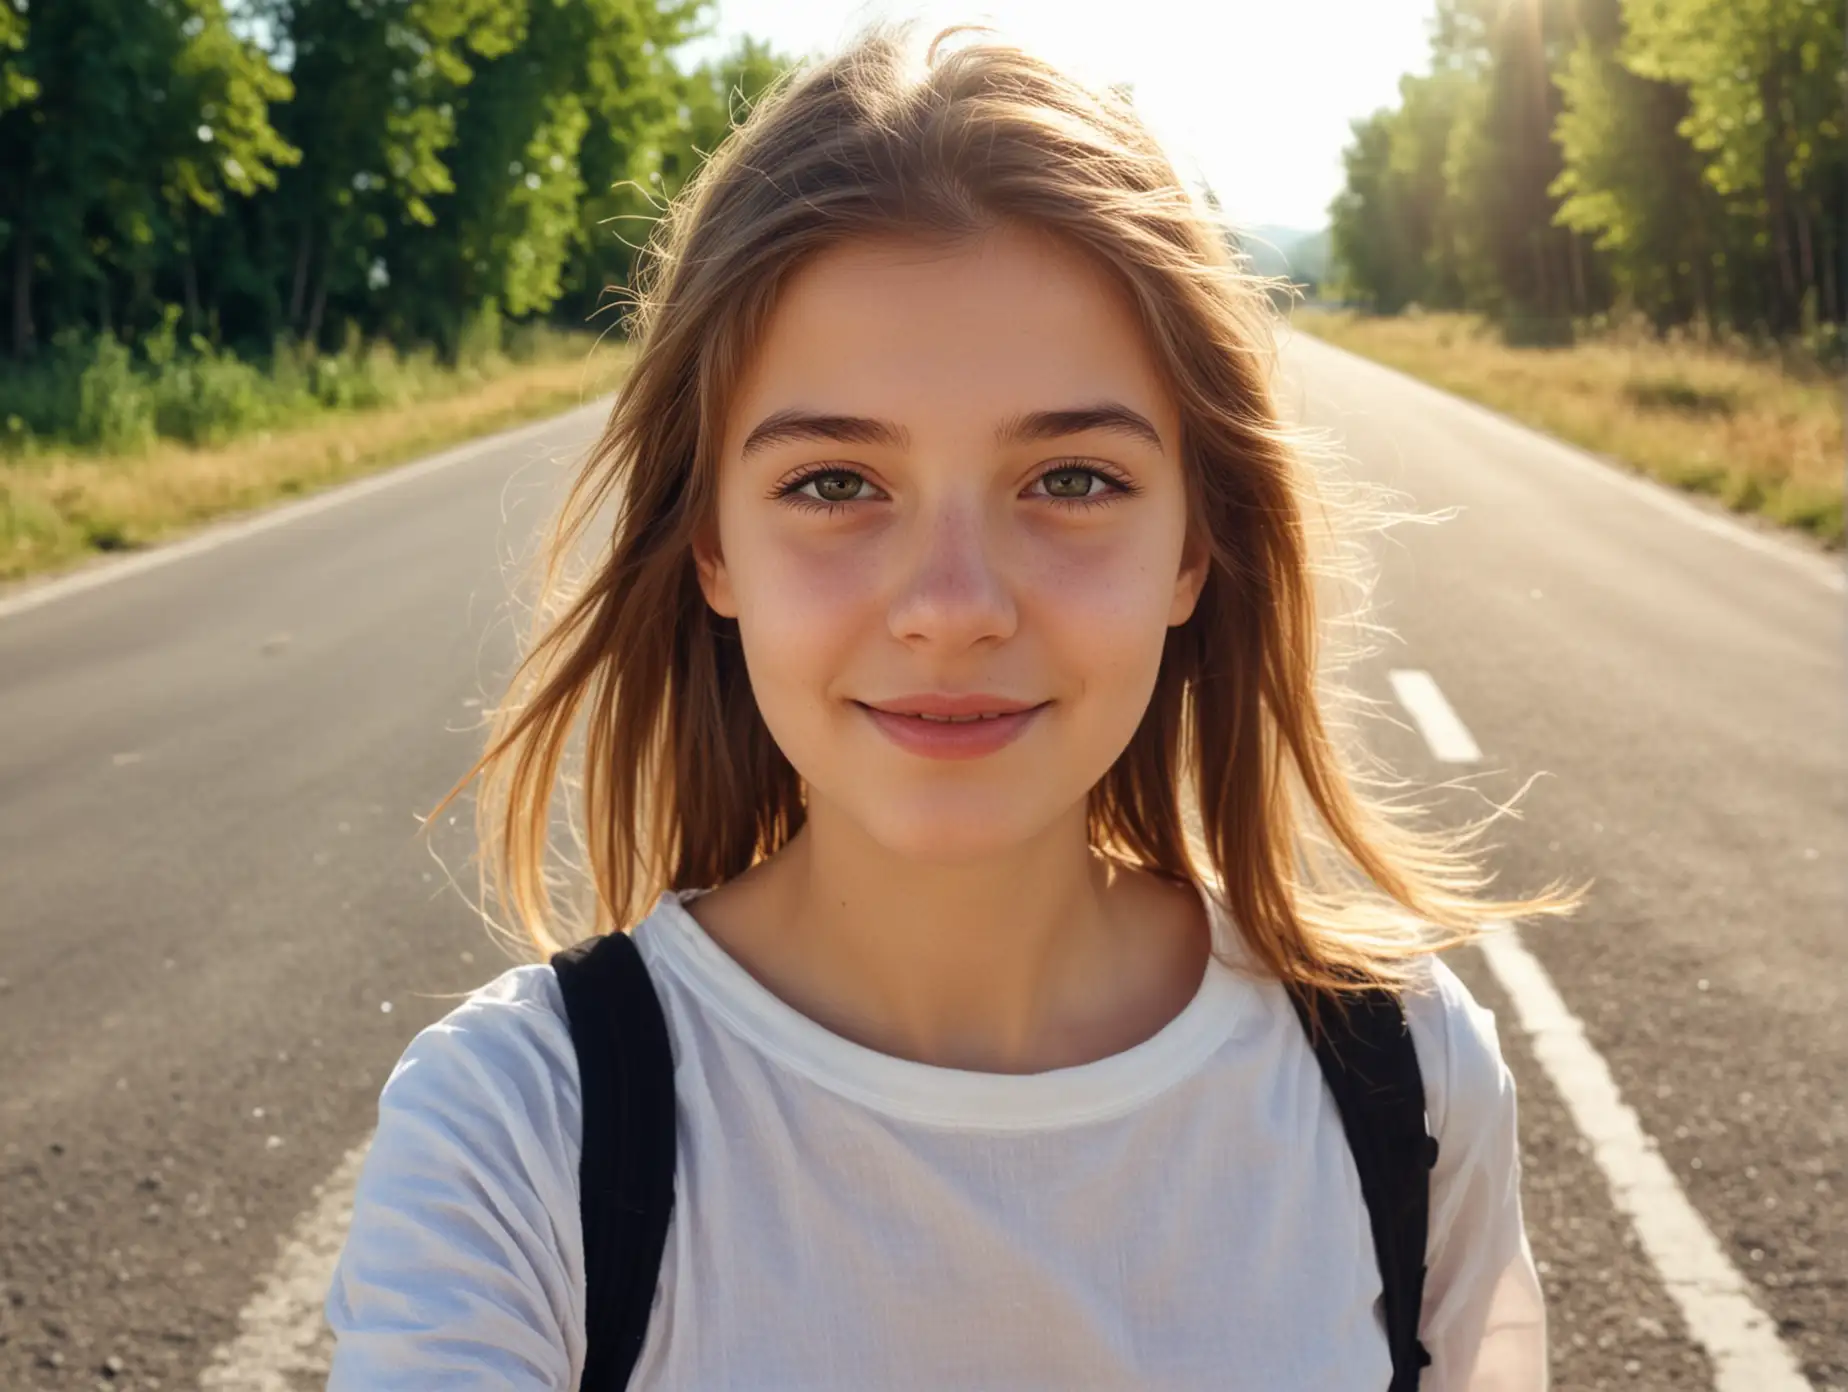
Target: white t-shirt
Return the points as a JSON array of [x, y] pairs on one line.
[[1181, 1215]]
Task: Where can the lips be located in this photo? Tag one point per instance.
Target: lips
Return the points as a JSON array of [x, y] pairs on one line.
[[939, 726]]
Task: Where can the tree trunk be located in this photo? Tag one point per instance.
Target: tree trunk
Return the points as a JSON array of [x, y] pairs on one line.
[[1704, 310], [299, 292], [312, 335], [189, 280], [1832, 307], [1696, 244], [1806, 251], [22, 290], [1777, 199], [1789, 294]]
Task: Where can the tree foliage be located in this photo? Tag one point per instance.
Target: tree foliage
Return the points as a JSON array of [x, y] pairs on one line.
[[1679, 158], [311, 170]]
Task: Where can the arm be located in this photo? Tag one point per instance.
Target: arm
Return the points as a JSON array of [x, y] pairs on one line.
[[463, 1267], [1484, 1317]]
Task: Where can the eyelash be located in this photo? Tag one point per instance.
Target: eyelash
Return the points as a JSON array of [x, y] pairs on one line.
[[789, 490]]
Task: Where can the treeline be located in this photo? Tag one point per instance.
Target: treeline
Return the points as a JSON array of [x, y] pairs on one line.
[[1680, 159], [260, 174]]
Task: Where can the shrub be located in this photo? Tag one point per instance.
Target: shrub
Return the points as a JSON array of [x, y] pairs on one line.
[[115, 408], [1675, 393], [98, 394], [212, 397], [480, 338]]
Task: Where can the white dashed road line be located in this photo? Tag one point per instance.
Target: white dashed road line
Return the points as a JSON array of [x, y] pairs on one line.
[[1446, 735], [1715, 1300]]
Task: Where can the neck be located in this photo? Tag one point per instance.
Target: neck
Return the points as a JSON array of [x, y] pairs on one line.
[[1044, 957]]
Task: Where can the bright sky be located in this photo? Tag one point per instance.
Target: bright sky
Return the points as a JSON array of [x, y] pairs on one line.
[[1253, 95]]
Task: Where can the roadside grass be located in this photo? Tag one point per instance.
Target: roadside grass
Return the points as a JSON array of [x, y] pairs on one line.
[[1763, 436], [60, 505]]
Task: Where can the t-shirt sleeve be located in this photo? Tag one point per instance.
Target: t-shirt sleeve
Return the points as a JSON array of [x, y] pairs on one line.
[[1484, 1319], [463, 1266]]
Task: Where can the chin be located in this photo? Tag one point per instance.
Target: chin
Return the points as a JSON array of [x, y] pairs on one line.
[[935, 829]]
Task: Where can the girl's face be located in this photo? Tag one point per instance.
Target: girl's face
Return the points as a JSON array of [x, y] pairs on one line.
[[953, 531]]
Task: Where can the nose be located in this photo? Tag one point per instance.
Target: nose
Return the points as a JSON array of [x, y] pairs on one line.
[[952, 593]]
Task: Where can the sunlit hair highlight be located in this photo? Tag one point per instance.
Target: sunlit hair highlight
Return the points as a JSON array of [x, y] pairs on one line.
[[1235, 780]]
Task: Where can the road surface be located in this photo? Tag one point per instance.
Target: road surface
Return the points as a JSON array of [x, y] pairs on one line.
[[219, 923]]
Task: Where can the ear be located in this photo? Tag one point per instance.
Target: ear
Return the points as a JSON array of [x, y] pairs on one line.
[[1196, 563], [714, 578]]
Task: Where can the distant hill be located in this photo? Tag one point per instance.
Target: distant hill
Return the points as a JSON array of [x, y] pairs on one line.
[[1286, 251]]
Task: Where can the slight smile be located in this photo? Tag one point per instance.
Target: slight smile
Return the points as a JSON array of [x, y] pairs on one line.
[[952, 727]]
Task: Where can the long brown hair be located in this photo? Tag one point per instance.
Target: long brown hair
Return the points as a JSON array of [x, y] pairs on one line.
[[1233, 779]]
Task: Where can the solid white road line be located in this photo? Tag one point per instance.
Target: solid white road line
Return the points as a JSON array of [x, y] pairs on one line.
[[221, 534], [1447, 735], [282, 1340], [1715, 1300]]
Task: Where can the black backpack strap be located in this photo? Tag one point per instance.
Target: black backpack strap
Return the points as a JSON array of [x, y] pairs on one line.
[[626, 1174], [1365, 1050]]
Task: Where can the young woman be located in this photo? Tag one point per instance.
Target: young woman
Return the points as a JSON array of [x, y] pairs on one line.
[[955, 748]]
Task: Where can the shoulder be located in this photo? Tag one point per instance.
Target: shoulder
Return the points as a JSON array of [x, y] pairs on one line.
[[1467, 1084], [521, 1006], [500, 1061], [1483, 1306], [464, 1258]]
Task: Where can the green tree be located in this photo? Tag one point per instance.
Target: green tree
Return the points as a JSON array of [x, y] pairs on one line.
[[1361, 232], [16, 84], [122, 137], [1632, 183], [1515, 263], [582, 103], [631, 186], [1394, 227], [213, 137], [1449, 196], [17, 88], [1425, 230], [408, 168], [377, 83], [1764, 83], [714, 97]]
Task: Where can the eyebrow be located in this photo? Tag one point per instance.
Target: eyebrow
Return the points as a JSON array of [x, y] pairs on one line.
[[781, 427]]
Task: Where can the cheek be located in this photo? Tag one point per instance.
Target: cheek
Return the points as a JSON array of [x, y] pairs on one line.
[[801, 610], [1102, 604]]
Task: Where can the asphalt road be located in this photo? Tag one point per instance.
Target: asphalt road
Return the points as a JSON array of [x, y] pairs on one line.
[[219, 923]]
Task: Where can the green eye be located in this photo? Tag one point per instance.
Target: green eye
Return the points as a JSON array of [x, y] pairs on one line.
[[836, 488], [1068, 483]]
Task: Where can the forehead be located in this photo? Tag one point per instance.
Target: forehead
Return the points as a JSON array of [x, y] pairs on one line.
[[951, 337]]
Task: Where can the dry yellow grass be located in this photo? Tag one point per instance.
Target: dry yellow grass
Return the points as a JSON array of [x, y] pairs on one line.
[[1762, 437], [57, 508]]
